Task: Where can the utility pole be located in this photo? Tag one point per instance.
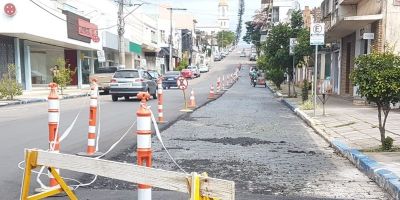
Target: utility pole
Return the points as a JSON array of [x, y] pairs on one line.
[[121, 28], [170, 34], [121, 31]]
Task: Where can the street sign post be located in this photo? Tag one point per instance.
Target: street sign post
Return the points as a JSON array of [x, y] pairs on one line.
[[183, 84], [101, 56], [317, 37]]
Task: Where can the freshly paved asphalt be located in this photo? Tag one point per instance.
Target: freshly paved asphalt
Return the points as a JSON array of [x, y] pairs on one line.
[[25, 126], [245, 136]]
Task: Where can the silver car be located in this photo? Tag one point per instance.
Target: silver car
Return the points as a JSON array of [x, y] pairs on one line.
[[129, 82]]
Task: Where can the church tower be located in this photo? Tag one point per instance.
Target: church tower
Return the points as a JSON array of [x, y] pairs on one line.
[[223, 15]]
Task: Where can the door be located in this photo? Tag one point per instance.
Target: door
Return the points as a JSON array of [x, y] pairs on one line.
[[347, 72]]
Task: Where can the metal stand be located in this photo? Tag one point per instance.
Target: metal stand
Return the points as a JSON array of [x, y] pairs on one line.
[[324, 99]]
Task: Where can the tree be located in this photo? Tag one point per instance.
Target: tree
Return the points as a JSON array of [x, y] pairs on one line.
[[61, 74], [224, 38], [240, 20], [9, 87], [377, 76], [252, 35]]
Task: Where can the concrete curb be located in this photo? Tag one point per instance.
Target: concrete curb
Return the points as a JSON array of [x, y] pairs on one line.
[[386, 179], [37, 100]]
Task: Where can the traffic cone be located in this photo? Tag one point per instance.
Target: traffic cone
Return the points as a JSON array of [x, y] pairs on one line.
[[143, 140], [211, 95], [91, 150], [160, 103], [218, 85], [192, 101], [54, 134]]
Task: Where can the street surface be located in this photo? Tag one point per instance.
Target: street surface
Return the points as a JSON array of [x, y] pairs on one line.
[[246, 136]]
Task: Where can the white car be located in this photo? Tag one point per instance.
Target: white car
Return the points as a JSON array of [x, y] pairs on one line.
[[203, 68], [195, 70]]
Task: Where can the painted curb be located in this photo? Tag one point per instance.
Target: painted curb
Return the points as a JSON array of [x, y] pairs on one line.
[[37, 100], [386, 179]]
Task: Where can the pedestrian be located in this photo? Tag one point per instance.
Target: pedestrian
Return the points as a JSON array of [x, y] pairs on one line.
[[55, 70]]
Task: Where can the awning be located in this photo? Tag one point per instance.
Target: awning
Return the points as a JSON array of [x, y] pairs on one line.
[[348, 25], [135, 48], [165, 52]]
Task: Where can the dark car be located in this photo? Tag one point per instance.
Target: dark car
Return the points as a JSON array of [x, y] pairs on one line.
[[169, 79]]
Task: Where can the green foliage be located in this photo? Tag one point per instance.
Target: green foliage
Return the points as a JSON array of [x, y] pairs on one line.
[[9, 87], [387, 143], [240, 20], [276, 75], [61, 74], [224, 38], [307, 105], [252, 35], [303, 48], [304, 90], [183, 64], [377, 76], [296, 20]]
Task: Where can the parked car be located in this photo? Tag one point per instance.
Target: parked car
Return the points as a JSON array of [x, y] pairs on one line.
[[170, 78], [203, 68], [195, 70], [217, 57], [187, 73], [243, 54], [223, 55], [129, 82], [253, 57], [103, 75]]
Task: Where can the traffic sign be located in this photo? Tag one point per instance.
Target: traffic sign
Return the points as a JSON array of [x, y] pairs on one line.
[[368, 36], [182, 83], [101, 56], [317, 34], [293, 43]]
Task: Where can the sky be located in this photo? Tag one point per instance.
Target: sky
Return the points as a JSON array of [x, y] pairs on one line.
[[206, 11]]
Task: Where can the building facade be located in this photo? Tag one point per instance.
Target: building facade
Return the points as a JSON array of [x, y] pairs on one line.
[[355, 28]]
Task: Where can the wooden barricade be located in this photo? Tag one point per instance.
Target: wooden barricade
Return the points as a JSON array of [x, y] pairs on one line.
[[198, 186]]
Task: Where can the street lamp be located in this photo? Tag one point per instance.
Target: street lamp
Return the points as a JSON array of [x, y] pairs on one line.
[[170, 34]]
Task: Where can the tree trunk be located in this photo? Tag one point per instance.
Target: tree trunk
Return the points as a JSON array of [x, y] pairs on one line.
[[381, 123]]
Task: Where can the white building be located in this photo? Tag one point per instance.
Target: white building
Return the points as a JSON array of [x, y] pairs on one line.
[[223, 17]]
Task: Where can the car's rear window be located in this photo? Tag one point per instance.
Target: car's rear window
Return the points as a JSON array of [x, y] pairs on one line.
[[126, 74], [172, 73], [104, 70]]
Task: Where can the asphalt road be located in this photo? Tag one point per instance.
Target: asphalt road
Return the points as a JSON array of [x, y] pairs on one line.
[[250, 137], [25, 126]]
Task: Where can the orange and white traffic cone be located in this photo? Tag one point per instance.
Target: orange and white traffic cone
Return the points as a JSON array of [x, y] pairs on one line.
[[91, 149], [54, 117], [211, 95], [192, 101], [160, 102], [218, 85], [144, 152]]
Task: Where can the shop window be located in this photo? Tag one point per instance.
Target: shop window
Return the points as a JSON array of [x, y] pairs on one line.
[[6, 54]]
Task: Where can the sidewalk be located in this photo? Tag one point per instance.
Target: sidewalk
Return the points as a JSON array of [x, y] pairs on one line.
[[355, 127], [41, 94]]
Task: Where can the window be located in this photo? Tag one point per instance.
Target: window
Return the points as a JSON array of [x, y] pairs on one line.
[[153, 37], [275, 14], [162, 36]]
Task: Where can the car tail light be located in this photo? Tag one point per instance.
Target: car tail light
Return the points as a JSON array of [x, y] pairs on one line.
[[113, 81]]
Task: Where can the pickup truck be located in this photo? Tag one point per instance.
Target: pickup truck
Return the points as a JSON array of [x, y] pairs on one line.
[[103, 75]]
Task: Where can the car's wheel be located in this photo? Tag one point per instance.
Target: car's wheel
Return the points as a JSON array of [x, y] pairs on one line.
[[155, 93], [114, 98], [126, 98]]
